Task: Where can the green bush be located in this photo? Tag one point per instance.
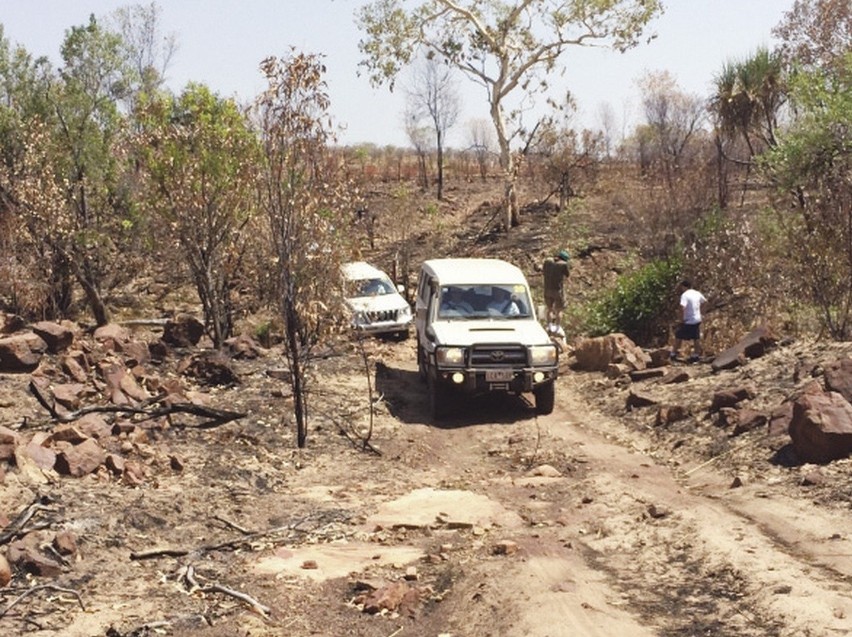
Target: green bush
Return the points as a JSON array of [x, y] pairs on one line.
[[638, 305]]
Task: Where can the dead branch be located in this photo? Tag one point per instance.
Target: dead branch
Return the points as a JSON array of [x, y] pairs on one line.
[[233, 544], [188, 575], [16, 527], [41, 587], [149, 410]]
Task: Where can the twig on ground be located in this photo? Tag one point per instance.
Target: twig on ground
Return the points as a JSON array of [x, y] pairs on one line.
[[42, 587], [716, 457], [16, 527], [194, 587], [233, 525]]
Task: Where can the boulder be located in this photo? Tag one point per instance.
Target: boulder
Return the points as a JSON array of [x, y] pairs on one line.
[[58, 337], [596, 354], [730, 397], [668, 414], [242, 347], [78, 460], [838, 377], [183, 331], [21, 353], [752, 345], [209, 368], [821, 427], [112, 336], [647, 374]]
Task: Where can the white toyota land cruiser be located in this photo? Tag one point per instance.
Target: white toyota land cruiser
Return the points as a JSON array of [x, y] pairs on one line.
[[477, 332]]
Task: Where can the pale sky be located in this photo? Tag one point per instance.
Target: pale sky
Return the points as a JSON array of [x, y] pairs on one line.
[[221, 43]]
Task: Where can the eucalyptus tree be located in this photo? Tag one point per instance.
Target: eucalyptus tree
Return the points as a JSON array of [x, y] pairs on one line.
[[306, 205], [510, 48], [198, 154]]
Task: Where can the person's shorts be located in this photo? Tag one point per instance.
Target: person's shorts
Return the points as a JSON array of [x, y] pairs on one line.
[[688, 331], [554, 301]]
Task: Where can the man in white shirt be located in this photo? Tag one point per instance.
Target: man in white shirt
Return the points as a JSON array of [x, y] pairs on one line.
[[502, 302], [689, 329]]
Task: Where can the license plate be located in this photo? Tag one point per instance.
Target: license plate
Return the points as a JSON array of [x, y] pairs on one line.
[[498, 375]]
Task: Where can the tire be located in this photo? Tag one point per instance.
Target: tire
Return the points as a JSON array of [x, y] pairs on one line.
[[421, 363], [438, 399], [545, 396]]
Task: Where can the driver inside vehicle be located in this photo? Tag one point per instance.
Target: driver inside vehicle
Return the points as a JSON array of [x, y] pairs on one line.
[[453, 302]]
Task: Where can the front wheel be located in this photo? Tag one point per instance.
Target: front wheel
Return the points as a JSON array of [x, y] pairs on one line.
[[545, 396]]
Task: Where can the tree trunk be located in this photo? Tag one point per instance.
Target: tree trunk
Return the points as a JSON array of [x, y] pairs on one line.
[[440, 145], [294, 354]]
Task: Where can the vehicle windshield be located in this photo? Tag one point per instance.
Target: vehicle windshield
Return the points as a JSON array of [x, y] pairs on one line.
[[371, 287], [509, 301]]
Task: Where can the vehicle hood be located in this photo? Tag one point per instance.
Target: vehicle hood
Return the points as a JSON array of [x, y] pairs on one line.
[[527, 332], [377, 303]]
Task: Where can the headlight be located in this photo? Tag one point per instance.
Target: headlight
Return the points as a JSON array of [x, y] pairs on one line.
[[449, 356], [405, 312], [543, 355]]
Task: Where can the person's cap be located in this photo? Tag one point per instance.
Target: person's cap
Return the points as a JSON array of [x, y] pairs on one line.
[[563, 254]]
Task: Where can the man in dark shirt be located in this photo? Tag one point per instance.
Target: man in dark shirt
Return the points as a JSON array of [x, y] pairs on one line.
[[555, 272]]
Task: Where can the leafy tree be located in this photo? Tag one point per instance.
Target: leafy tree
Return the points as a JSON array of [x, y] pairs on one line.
[[816, 33], [303, 201], [812, 169], [638, 304], [509, 48], [433, 96], [198, 155], [748, 99], [76, 142]]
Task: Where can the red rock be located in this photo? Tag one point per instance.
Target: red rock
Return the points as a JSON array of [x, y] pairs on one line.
[[80, 459], [821, 427], [58, 337], [65, 543]]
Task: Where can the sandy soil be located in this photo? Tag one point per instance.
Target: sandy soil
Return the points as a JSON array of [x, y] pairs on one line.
[[587, 522]]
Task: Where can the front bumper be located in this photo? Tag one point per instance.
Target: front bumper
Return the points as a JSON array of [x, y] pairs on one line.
[[473, 380]]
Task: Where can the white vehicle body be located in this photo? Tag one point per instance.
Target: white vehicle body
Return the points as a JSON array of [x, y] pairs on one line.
[[468, 338], [375, 302]]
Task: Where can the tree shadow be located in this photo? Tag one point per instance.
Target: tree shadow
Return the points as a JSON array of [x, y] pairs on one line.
[[407, 399]]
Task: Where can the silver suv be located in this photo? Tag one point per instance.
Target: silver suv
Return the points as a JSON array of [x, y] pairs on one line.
[[477, 332]]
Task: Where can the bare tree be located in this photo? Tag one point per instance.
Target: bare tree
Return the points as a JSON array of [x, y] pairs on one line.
[[481, 143], [673, 118], [433, 95], [418, 136], [149, 50]]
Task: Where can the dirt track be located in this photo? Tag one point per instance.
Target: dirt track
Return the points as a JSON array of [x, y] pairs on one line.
[[613, 538]]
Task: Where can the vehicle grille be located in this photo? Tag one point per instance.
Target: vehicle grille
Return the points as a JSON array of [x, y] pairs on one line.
[[498, 356], [381, 316]]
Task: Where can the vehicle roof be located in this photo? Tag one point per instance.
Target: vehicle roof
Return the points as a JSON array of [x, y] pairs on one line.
[[357, 270], [473, 271]]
